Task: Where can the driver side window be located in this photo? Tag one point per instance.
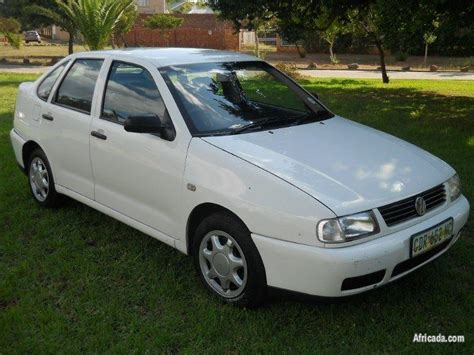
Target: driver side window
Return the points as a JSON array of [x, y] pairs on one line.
[[130, 91]]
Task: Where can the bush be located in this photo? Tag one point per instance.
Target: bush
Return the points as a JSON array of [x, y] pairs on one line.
[[163, 22], [301, 51], [401, 56], [9, 28]]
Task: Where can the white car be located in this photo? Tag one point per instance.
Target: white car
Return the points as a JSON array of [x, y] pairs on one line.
[[32, 36], [223, 157]]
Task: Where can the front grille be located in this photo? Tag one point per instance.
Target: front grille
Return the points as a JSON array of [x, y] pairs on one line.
[[404, 210]]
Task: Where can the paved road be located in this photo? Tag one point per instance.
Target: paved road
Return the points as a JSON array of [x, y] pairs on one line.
[[375, 74], [351, 74]]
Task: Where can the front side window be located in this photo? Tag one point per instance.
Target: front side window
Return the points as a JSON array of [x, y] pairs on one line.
[[131, 91], [44, 89], [228, 98], [77, 88]]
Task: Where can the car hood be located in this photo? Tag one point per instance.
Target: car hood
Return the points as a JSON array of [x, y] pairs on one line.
[[345, 165]]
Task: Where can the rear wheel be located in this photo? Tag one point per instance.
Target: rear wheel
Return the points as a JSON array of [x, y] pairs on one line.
[[41, 179], [227, 261]]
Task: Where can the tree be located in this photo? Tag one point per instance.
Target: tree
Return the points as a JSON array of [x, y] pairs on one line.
[[13, 9], [39, 13], [125, 24], [394, 24], [96, 20], [429, 38], [9, 27], [330, 36], [57, 17], [297, 20], [258, 25], [368, 19], [163, 22], [19, 9]]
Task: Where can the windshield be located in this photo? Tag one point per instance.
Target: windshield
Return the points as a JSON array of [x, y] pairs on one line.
[[229, 98]]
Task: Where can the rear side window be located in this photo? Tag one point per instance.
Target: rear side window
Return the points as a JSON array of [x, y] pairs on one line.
[[77, 88], [131, 91], [44, 89]]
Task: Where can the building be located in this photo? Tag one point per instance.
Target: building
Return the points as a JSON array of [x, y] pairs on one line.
[[151, 6]]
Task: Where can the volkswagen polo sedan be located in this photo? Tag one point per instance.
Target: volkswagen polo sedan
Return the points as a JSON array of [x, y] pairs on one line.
[[225, 158]]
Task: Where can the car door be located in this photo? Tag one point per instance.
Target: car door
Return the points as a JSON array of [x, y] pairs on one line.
[[68, 120], [139, 175]]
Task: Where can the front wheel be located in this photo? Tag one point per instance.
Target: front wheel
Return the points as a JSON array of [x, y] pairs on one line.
[[227, 261]]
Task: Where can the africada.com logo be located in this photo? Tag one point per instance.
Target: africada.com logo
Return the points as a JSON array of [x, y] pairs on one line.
[[440, 338]]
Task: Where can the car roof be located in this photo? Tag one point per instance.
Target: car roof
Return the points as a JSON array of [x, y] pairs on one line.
[[162, 57]]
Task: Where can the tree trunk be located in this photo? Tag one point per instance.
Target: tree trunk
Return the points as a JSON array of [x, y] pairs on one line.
[[331, 54], [257, 47], [426, 53], [71, 43], [112, 41], [124, 40], [378, 43]]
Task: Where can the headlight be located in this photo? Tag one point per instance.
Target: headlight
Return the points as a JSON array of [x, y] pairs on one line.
[[454, 187], [347, 228]]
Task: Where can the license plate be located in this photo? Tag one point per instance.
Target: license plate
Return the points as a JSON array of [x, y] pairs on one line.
[[430, 238]]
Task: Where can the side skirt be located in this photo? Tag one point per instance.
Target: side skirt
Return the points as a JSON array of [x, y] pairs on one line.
[[118, 216]]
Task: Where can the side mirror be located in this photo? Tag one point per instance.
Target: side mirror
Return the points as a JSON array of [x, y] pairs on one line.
[[149, 123], [315, 94]]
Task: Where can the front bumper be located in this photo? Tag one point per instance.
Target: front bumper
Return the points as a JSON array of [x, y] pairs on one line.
[[322, 271]]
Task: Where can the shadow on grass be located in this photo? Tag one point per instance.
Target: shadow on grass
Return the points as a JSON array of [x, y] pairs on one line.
[[422, 117]]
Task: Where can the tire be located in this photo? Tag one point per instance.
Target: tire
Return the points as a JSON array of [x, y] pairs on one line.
[[27, 42], [41, 180], [227, 261]]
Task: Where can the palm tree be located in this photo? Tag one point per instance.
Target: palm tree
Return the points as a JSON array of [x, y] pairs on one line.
[[58, 17], [95, 19]]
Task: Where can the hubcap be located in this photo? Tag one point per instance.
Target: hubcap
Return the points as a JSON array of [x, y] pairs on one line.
[[223, 264], [39, 179]]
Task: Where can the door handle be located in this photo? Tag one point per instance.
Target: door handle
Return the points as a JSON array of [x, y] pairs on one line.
[[98, 135], [47, 117]]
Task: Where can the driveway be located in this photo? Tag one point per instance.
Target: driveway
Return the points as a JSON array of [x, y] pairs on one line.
[[375, 74]]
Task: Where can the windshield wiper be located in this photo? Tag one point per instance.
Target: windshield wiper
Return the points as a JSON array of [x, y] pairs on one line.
[[260, 123], [294, 121], [313, 117]]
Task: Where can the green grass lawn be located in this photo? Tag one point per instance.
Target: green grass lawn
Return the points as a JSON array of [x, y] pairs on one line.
[[75, 280]]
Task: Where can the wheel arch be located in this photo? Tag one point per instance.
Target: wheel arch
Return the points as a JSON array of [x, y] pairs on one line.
[[200, 212], [28, 148]]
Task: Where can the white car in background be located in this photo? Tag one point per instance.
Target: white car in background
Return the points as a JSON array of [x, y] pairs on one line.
[[32, 36], [223, 157]]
